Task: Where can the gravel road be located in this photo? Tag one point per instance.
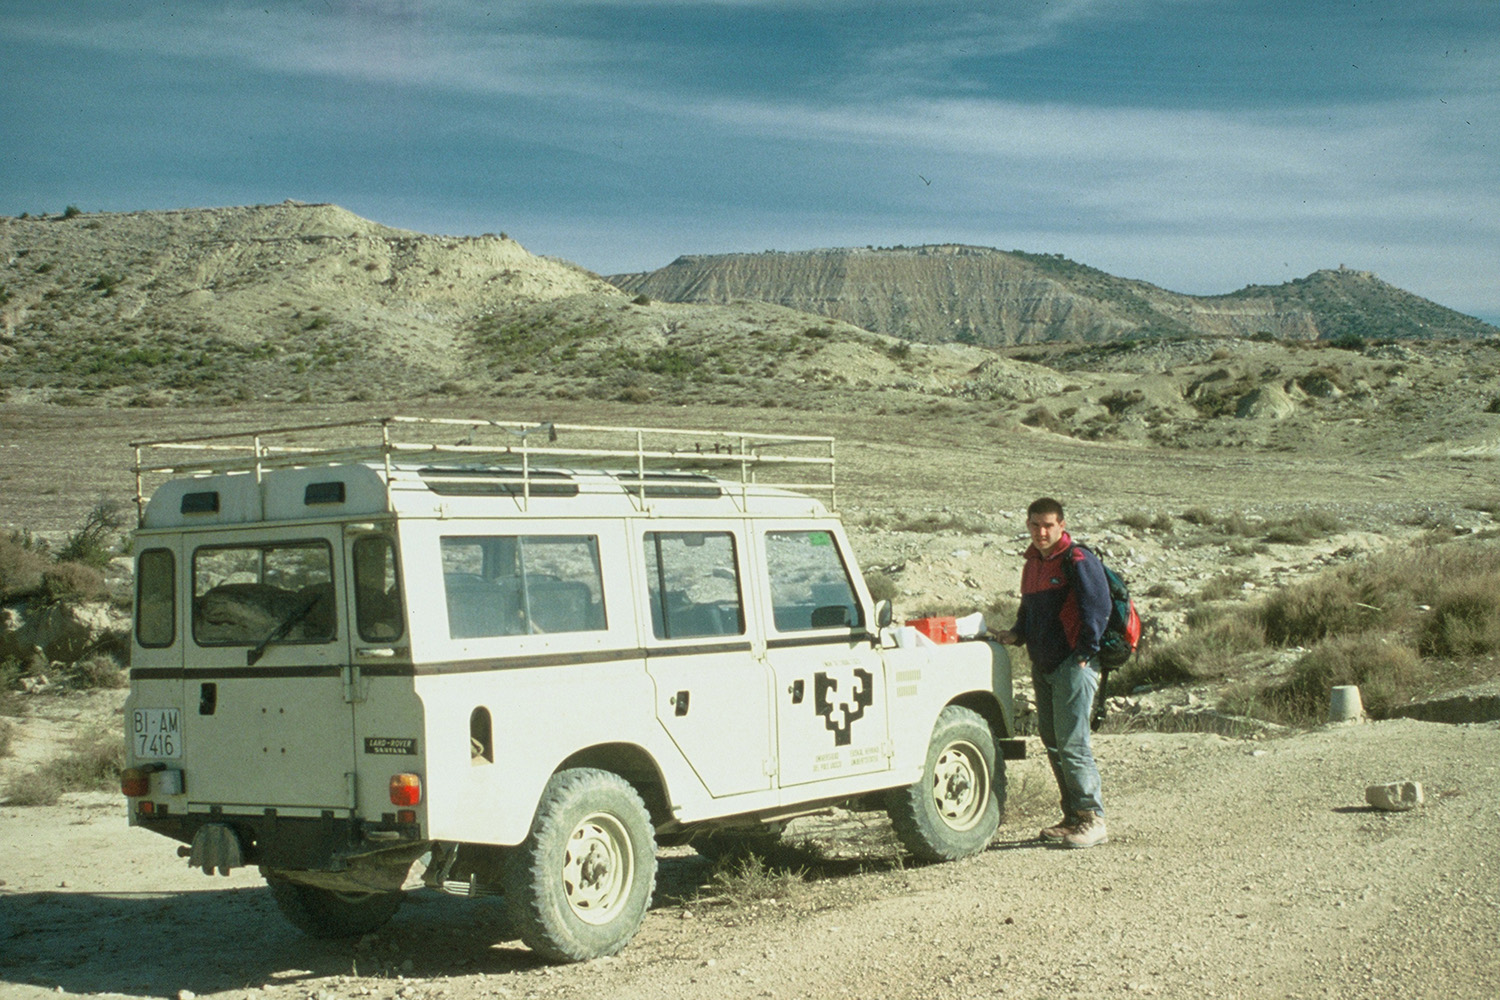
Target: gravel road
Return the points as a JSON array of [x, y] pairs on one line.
[[1235, 869]]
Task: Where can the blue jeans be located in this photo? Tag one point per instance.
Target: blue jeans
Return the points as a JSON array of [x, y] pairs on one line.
[[1064, 700]]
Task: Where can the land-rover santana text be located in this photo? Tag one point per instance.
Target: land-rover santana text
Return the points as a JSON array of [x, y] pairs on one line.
[[526, 655]]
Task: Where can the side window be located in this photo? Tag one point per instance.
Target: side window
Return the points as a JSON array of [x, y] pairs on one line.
[[693, 583], [377, 590], [244, 594], [810, 585], [156, 598], [522, 584]]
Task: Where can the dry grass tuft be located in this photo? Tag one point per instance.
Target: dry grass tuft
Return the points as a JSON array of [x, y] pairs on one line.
[[93, 764]]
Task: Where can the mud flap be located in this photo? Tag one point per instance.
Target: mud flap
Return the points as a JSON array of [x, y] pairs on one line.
[[216, 846]]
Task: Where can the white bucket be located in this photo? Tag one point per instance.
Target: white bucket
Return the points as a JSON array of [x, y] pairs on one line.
[[1344, 705]]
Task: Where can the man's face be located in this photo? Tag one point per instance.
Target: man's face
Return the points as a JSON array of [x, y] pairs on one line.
[[1046, 531]]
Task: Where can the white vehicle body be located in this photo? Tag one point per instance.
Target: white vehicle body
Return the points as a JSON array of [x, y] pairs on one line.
[[345, 660]]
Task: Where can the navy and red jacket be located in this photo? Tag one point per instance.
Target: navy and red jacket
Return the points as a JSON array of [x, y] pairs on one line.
[[1057, 619]]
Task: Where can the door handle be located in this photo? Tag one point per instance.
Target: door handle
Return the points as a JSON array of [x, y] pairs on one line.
[[796, 691], [680, 703]]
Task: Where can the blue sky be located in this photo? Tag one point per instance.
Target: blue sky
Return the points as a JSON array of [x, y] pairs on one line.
[[1198, 144]]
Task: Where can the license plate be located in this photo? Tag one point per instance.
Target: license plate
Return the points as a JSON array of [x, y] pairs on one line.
[[157, 732]]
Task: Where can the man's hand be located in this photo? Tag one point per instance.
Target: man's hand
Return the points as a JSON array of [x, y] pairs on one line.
[[1008, 637]]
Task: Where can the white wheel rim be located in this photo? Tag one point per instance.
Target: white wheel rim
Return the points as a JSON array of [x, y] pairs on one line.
[[960, 785], [598, 868]]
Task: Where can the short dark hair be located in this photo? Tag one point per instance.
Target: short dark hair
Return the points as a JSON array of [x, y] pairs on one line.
[[1045, 505]]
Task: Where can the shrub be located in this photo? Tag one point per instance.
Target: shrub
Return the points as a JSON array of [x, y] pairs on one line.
[[1044, 418], [1206, 651], [747, 881], [21, 566], [881, 586], [1464, 620], [93, 763], [1201, 516], [92, 544], [1304, 613], [1304, 527], [71, 582], [98, 672], [1386, 673]]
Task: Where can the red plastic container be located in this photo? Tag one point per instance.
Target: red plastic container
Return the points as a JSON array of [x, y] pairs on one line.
[[937, 629]]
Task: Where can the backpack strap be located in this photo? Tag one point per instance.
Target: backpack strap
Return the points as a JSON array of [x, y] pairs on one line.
[[1101, 707]]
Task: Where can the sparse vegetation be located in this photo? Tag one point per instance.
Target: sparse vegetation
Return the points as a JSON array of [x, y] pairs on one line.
[[93, 763]]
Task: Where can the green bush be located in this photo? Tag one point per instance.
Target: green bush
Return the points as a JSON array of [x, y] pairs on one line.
[[22, 563], [1302, 528], [1386, 673], [1304, 613], [71, 582], [1215, 641], [881, 586], [1464, 620], [93, 544]]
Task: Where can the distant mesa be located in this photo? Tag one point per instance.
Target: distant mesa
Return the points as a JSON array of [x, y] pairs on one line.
[[979, 295]]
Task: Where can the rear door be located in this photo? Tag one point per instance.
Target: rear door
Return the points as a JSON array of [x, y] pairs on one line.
[[267, 720]]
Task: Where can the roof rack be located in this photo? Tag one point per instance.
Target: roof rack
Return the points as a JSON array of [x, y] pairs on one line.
[[802, 463]]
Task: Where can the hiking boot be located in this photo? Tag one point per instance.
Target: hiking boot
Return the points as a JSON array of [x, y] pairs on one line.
[[1087, 832], [1063, 827]]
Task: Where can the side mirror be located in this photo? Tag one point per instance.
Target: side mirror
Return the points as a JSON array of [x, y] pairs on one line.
[[884, 614]]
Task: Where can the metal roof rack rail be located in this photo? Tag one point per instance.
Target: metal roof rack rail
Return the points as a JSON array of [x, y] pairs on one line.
[[803, 463]]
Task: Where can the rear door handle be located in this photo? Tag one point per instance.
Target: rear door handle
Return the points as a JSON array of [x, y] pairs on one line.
[[680, 703]]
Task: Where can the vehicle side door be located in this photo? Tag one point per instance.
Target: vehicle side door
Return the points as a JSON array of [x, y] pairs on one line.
[[831, 715], [713, 693]]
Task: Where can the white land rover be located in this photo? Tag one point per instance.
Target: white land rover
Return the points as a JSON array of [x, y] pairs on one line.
[[502, 657]]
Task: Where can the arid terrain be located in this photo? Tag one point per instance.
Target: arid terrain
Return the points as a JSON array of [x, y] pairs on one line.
[[1237, 867], [1242, 862]]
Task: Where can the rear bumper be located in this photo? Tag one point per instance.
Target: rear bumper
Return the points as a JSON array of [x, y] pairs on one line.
[[312, 843]]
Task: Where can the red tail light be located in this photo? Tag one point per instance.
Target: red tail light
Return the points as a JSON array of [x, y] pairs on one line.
[[406, 790], [136, 781]]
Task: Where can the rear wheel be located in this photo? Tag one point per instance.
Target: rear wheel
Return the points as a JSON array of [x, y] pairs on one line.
[[581, 883], [954, 809], [324, 913]]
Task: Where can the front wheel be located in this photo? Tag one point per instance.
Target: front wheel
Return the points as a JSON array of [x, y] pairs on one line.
[[324, 913], [580, 884], [953, 810]]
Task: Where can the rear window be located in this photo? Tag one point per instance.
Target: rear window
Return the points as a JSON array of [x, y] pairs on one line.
[[156, 598], [243, 594], [498, 585]]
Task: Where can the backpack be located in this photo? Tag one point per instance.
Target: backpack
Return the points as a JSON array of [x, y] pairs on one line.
[[1122, 633]]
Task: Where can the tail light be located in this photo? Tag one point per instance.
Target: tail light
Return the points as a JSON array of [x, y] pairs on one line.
[[135, 782], [406, 790]]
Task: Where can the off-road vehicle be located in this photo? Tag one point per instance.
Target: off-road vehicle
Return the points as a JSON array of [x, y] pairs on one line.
[[527, 655]]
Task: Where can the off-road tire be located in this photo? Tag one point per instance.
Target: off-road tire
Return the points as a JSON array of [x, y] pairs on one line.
[[954, 809], [323, 913], [580, 884]]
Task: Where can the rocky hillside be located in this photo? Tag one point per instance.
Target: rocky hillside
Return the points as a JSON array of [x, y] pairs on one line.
[[983, 296], [252, 300]]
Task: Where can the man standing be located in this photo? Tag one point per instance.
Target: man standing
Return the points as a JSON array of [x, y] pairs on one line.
[[1065, 605]]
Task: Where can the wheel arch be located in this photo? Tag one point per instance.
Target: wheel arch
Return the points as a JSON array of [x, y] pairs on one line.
[[636, 765]]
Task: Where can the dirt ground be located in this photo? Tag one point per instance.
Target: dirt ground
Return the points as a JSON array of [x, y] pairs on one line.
[[1234, 869]]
